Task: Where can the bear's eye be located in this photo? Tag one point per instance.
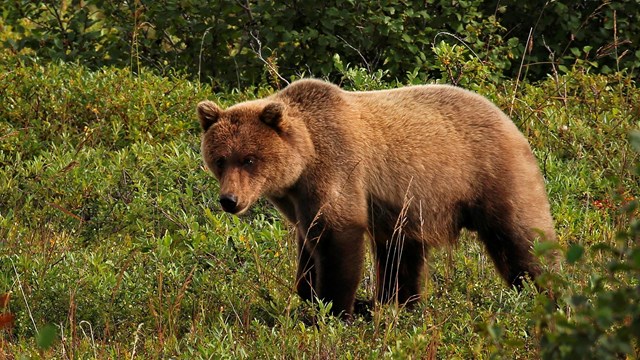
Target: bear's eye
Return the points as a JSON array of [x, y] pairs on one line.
[[220, 162], [248, 161]]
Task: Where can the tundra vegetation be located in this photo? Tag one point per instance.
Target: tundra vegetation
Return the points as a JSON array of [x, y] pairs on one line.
[[113, 245]]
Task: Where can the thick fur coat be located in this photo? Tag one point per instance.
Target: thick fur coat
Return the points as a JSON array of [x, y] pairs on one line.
[[407, 168]]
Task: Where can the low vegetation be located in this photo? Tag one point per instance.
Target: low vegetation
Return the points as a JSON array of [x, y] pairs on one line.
[[113, 244]]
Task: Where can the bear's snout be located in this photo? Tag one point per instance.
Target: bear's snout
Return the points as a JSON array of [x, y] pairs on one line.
[[229, 203]]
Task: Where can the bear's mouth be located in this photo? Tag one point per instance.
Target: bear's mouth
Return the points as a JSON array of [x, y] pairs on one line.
[[241, 212], [237, 210]]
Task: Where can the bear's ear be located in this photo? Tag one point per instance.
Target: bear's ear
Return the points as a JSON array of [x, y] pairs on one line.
[[208, 113], [272, 115]]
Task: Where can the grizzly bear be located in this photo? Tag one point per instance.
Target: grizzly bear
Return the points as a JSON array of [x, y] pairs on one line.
[[407, 168]]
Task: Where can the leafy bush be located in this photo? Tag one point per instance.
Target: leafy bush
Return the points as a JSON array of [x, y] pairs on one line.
[[599, 319], [243, 43], [600, 34]]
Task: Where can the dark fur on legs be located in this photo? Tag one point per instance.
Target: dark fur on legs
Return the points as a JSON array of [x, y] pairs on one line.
[[399, 268]]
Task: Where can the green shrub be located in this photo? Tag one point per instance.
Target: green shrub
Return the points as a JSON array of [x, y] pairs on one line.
[[600, 34], [599, 319], [243, 43]]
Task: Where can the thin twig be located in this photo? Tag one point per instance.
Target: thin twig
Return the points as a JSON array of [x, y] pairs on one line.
[[356, 50], [258, 53], [615, 39], [93, 341], [67, 212], [135, 341], [515, 90], [23, 295], [200, 56], [62, 341], [237, 71], [457, 38], [552, 57]]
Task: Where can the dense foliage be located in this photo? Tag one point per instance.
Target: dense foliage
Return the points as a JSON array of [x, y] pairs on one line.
[[243, 43]]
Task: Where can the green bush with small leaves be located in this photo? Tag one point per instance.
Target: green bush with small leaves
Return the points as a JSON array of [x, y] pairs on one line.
[[600, 318], [238, 44]]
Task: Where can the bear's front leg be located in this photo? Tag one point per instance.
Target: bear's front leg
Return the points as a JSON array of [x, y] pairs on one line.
[[338, 258], [306, 274]]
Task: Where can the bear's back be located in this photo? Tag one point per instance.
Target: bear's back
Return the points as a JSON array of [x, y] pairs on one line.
[[433, 146], [438, 145]]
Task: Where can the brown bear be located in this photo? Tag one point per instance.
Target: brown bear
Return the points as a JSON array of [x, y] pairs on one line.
[[408, 168]]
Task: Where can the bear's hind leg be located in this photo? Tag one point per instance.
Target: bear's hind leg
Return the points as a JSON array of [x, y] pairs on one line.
[[399, 267]]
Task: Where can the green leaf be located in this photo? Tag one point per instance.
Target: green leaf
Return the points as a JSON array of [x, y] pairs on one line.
[[575, 52], [338, 63], [495, 331], [544, 247], [46, 336], [635, 257], [574, 253], [634, 140]]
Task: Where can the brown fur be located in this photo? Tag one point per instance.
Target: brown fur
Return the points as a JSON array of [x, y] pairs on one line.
[[408, 167]]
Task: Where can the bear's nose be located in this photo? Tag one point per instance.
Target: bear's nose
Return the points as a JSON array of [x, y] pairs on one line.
[[229, 202]]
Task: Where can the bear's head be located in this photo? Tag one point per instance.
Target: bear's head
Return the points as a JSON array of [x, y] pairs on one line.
[[257, 148]]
